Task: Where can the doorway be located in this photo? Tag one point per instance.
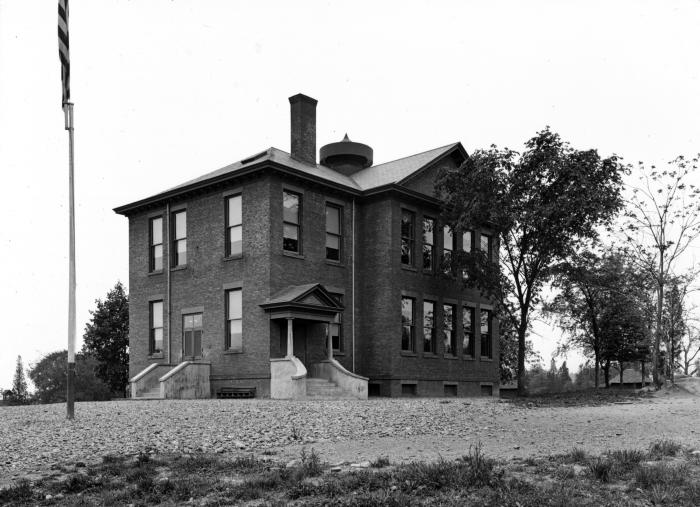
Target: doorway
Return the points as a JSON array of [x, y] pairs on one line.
[[191, 336]]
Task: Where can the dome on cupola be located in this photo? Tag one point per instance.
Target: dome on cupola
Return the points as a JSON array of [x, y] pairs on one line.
[[347, 156]]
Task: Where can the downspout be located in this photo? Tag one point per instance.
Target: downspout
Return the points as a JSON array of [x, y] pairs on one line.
[[166, 265], [353, 285]]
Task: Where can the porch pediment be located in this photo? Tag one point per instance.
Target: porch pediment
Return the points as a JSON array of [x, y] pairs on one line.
[[310, 301]]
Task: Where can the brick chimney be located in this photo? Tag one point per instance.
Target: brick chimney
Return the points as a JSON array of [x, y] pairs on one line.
[[303, 111]]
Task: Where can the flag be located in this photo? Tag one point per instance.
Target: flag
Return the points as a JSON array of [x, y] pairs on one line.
[[63, 48]]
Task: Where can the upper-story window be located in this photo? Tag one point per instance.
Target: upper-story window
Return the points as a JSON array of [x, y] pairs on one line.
[[234, 320], [155, 333], [156, 244], [448, 245], [429, 327], [334, 231], [467, 241], [448, 329], [179, 228], [486, 245], [428, 243], [486, 342], [468, 329], [291, 241], [234, 226], [408, 220], [408, 319]]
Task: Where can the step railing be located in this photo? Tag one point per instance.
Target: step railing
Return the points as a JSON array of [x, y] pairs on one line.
[[351, 383], [188, 380], [287, 378], [148, 379]]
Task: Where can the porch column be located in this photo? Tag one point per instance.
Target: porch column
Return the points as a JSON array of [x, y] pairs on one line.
[[290, 336], [329, 340]]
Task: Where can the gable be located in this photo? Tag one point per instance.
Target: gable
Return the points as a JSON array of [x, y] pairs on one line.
[[311, 299], [424, 181]]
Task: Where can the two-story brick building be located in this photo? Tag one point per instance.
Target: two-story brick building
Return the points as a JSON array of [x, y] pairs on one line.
[[299, 278]]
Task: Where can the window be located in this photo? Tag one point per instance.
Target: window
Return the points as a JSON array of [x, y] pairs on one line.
[[234, 320], [448, 244], [428, 243], [336, 327], [486, 245], [407, 324], [291, 241], [486, 350], [467, 241], [192, 335], [333, 232], [234, 226], [156, 251], [407, 237], [448, 328], [179, 238], [155, 335], [468, 329], [429, 327]]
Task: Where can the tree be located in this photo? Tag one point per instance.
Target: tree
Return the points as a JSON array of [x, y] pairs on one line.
[[564, 376], [49, 377], [107, 338], [662, 220], [689, 348], [542, 205], [19, 384]]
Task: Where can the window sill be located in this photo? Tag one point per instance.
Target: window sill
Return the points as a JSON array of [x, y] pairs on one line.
[[292, 254], [337, 264], [178, 268], [429, 355], [232, 258], [486, 359], [338, 354], [409, 268], [408, 353], [449, 356], [428, 272], [232, 352], [156, 356], [468, 358], [155, 273]]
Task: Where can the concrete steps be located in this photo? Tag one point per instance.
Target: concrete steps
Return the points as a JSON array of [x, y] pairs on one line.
[[153, 394], [322, 389]]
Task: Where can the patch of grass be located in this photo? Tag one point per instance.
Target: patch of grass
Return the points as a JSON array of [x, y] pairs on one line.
[[481, 468], [310, 464], [380, 462], [627, 459], [661, 474], [21, 491], [664, 447], [664, 495]]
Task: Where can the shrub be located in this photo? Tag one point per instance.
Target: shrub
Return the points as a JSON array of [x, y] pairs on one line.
[[380, 462], [664, 447], [311, 464], [601, 469], [627, 459]]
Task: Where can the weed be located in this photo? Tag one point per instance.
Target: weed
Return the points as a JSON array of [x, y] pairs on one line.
[[601, 469], [380, 462], [142, 458], [247, 464], [564, 472], [76, 483], [664, 447], [311, 463], [577, 455], [20, 491], [664, 495], [481, 467], [295, 435], [627, 460]]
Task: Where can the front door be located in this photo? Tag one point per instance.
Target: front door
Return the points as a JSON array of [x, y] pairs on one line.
[[300, 342], [191, 336]]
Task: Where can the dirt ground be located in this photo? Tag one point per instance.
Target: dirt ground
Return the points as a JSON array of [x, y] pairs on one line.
[[35, 439]]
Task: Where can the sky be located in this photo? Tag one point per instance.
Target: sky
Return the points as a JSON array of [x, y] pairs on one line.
[[165, 91]]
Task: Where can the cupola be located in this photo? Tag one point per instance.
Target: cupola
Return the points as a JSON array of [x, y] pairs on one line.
[[347, 157]]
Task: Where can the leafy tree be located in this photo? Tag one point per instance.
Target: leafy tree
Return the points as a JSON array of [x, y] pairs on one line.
[[662, 221], [107, 338], [49, 377], [542, 205], [623, 332], [564, 376], [19, 384], [688, 350]]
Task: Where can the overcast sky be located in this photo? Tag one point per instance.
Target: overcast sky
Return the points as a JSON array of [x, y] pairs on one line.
[[165, 91]]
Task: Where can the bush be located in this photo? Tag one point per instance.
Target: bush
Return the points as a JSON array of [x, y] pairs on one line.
[[664, 447]]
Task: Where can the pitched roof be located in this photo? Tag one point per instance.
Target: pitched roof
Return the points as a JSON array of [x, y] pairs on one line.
[[366, 179]]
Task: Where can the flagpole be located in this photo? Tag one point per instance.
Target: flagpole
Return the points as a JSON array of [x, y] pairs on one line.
[[70, 395]]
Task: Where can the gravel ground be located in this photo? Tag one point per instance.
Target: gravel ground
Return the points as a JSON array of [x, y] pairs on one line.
[[35, 438]]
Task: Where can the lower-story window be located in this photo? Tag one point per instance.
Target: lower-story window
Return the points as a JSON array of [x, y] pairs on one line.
[[448, 329], [336, 327], [468, 329], [192, 335], [408, 313], [486, 341], [429, 327], [155, 335], [234, 320]]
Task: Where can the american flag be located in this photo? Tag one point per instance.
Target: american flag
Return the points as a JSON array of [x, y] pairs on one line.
[[63, 48]]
